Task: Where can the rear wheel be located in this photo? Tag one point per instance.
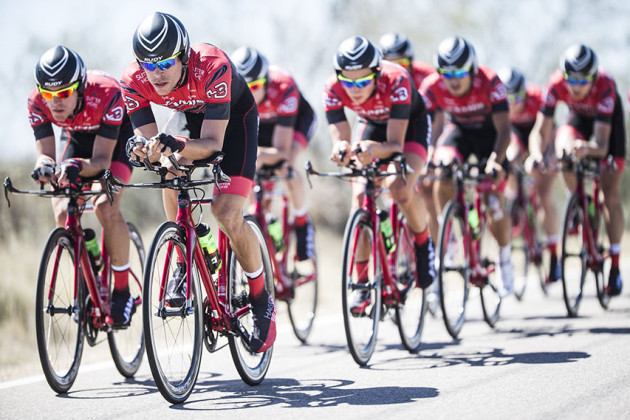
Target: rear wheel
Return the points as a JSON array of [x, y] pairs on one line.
[[173, 334], [603, 245], [361, 290], [573, 258], [490, 299], [303, 302], [127, 345], [453, 271], [58, 316], [412, 308], [252, 367]]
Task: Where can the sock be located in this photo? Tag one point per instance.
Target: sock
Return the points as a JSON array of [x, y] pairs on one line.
[[421, 238], [300, 217], [121, 277], [615, 250], [362, 271], [256, 282], [505, 253]]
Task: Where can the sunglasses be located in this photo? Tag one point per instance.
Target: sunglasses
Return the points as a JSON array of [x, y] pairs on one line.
[[454, 74], [580, 81], [405, 62], [257, 84], [61, 94], [360, 83], [517, 97], [162, 65]]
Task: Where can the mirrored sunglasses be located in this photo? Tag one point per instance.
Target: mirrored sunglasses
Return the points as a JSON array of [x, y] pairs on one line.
[[360, 83], [454, 74], [61, 94], [162, 65]]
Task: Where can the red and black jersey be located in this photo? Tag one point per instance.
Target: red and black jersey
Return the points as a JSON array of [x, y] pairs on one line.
[[282, 100], [101, 111], [420, 71], [473, 110], [212, 88], [533, 101], [599, 104], [395, 96]]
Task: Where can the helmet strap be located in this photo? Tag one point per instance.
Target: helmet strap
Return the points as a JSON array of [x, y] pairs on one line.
[[184, 77], [80, 105]]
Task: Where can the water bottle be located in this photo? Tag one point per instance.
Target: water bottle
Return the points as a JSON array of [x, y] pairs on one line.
[[590, 208], [93, 250], [387, 232], [208, 246], [473, 222], [274, 227]]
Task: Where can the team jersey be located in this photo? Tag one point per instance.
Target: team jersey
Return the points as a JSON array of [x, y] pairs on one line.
[[282, 99], [420, 71], [212, 87], [473, 110], [599, 104], [533, 101], [101, 112], [395, 97]]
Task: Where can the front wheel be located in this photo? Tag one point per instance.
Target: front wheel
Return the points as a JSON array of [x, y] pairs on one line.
[[127, 344], [574, 255], [58, 319], [602, 245], [303, 277], [361, 290], [252, 367], [489, 291], [520, 246], [453, 271], [411, 310], [173, 334]]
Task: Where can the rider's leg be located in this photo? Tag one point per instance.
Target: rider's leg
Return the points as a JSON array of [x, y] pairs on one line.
[[613, 213]]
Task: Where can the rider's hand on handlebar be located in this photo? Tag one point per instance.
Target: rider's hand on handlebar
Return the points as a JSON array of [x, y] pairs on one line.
[[69, 171], [534, 163], [341, 153], [363, 153], [494, 169], [580, 148], [44, 170]]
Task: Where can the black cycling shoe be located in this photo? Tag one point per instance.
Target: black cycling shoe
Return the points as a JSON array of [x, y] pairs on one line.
[[122, 308], [176, 288], [425, 264], [305, 241], [614, 282], [264, 315], [554, 270]]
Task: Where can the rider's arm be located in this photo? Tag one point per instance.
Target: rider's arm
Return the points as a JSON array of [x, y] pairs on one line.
[[281, 146], [541, 136], [598, 147], [45, 150], [101, 156], [396, 130], [340, 133], [501, 122], [438, 119]]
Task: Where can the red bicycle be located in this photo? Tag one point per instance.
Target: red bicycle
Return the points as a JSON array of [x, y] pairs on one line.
[[295, 281], [465, 249], [585, 248], [73, 302], [528, 250], [387, 274], [216, 303]]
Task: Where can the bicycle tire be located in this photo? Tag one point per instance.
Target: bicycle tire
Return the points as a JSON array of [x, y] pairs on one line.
[[303, 302], [252, 367], [602, 244], [173, 343], [410, 312], [127, 345], [58, 323], [489, 291], [453, 271], [573, 257], [361, 328]]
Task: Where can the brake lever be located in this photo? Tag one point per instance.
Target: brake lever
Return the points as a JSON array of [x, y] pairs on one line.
[[7, 187]]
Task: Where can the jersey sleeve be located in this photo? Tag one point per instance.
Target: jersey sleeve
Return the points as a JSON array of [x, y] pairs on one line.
[[42, 127], [498, 95], [112, 117], [333, 105], [288, 106], [400, 97], [137, 105]]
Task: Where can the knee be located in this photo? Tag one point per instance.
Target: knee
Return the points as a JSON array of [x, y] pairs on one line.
[[227, 217], [106, 212]]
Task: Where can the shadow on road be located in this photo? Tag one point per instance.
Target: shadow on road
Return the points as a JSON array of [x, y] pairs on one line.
[[234, 394]]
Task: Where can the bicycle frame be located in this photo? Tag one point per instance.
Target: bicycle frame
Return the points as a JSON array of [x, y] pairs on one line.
[[589, 233]]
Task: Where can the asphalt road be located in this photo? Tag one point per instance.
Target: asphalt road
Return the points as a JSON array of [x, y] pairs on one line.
[[536, 363]]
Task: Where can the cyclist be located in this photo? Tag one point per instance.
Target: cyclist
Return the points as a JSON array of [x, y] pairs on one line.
[[213, 110], [475, 99], [88, 107], [391, 118], [524, 101], [595, 112], [397, 48], [287, 123]]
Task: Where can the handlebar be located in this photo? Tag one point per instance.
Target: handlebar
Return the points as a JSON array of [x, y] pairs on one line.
[[72, 191]]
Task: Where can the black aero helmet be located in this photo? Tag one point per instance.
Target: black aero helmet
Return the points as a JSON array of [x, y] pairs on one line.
[[250, 63], [159, 37], [60, 66], [395, 46], [513, 79], [579, 60], [455, 53], [357, 53]]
